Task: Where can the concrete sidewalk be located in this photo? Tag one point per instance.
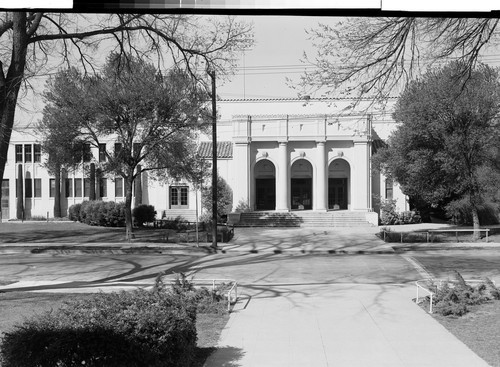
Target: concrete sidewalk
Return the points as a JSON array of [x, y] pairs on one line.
[[337, 325]]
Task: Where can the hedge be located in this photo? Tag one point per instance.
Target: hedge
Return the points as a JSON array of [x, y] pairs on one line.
[[138, 328], [98, 213]]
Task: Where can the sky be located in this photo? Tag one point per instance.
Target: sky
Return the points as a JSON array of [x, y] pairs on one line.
[[280, 42]]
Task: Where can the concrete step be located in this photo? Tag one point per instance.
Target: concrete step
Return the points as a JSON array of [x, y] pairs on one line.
[[303, 219]]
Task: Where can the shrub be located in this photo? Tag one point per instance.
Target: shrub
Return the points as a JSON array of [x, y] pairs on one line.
[[389, 215], [242, 207], [74, 212], [138, 328], [456, 299], [143, 214], [460, 212]]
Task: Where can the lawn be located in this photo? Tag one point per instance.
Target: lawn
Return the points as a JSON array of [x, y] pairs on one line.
[[478, 329], [64, 232], [17, 306]]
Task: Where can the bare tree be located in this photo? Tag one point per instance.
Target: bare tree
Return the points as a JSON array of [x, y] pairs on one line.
[[32, 42], [377, 57]]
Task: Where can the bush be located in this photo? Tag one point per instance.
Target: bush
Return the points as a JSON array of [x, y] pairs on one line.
[[242, 207], [74, 212], [457, 298], [389, 216], [144, 214], [460, 212], [138, 328]]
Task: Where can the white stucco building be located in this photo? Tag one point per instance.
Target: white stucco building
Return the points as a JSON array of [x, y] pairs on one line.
[[277, 155]]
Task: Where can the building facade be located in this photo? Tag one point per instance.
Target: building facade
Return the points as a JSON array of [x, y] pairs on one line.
[[275, 155]]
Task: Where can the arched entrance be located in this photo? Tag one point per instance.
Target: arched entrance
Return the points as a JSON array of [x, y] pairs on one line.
[[339, 174], [301, 184], [265, 185]]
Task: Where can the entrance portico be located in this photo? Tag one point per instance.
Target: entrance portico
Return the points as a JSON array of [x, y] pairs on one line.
[[302, 163]]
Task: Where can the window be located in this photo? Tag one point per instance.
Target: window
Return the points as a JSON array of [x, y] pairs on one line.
[[102, 152], [86, 187], [28, 188], [78, 187], [118, 187], [37, 153], [19, 153], [388, 188], [87, 153], [179, 197], [52, 187], [103, 187], [137, 149], [27, 153], [69, 187], [118, 148], [37, 187]]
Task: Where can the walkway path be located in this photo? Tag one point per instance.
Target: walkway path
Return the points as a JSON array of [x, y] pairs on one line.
[[337, 325]]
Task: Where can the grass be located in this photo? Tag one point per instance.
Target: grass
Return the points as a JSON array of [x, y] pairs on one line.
[[18, 306], [64, 232], [478, 329]]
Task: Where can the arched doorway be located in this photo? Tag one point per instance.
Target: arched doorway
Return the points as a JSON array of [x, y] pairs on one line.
[[301, 184], [265, 185], [339, 174]]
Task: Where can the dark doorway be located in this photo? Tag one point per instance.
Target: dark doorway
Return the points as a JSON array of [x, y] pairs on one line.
[[265, 189], [337, 193], [301, 193]]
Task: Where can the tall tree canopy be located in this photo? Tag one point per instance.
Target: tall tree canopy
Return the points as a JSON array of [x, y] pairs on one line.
[[447, 145], [376, 57], [152, 117], [33, 42]]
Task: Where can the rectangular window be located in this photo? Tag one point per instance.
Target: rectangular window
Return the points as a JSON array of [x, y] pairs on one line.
[[37, 187], [52, 187], [69, 187], [118, 187], [137, 149], [28, 188], [19, 153], [179, 197], [87, 153], [78, 187], [102, 152], [27, 153], [86, 187], [389, 188], [118, 148], [103, 187], [37, 153]]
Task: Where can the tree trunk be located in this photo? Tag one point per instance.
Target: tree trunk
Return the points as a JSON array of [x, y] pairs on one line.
[[10, 84], [138, 187], [129, 234], [20, 193], [475, 221], [57, 193], [92, 182]]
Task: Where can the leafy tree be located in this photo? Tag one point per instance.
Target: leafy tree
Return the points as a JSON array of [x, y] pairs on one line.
[[224, 199], [32, 43], [153, 118], [374, 57], [447, 145]]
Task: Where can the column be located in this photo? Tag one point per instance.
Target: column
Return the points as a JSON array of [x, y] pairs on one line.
[[282, 198], [360, 176], [321, 196], [240, 181]]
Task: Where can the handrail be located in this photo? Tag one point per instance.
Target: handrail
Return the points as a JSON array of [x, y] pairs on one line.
[[440, 284], [234, 288]]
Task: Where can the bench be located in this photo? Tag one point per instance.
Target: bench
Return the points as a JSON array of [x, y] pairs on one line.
[[456, 230]]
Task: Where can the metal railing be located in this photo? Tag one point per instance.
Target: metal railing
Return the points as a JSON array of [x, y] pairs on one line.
[[439, 284], [232, 293]]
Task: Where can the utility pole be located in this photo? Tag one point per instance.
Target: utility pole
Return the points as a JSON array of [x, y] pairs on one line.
[[214, 160]]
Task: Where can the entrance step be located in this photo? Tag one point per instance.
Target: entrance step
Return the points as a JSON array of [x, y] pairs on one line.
[[303, 219]]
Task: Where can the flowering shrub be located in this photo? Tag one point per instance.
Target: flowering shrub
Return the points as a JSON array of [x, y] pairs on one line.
[[99, 213]]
